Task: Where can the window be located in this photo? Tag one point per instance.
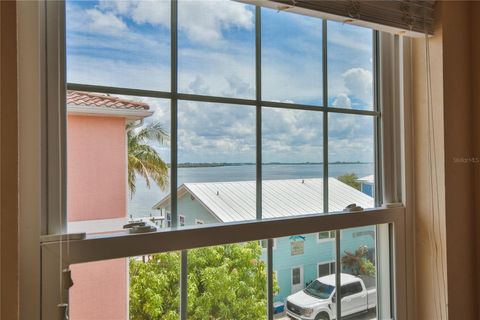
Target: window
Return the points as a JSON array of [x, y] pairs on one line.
[[324, 269], [238, 139], [326, 235], [296, 276], [238, 144], [181, 220], [351, 289]]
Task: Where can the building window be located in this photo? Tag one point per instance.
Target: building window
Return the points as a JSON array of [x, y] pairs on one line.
[[351, 289], [296, 276], [326, 235], [324, 269], [181, 220]]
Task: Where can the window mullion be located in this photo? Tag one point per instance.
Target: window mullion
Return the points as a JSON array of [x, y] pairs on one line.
[[174, 154], [325, 168], [270, 279], [258, 126], [338, 270], [174, 113], [258, 148], [325, 114]]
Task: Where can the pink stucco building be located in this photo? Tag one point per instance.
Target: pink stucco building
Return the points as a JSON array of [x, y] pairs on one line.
[[98, 195]]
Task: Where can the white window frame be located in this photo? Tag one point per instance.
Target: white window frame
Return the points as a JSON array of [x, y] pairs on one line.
[[329, 267], [330, 237], [180, 218], [302, 276], [393, 53]]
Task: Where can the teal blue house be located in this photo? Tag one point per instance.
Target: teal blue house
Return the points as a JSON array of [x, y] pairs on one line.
[[367, 185], [297, 260]]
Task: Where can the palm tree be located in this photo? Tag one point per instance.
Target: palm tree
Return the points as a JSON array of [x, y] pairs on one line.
[[354, 261], [143, 159]]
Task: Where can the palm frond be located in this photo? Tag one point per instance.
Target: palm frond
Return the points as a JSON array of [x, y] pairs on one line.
[[143, 159], [153, 132]]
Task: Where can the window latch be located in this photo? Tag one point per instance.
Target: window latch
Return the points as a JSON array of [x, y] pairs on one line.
[[67, 278], [63, 311], [140, 227], [353, 208]]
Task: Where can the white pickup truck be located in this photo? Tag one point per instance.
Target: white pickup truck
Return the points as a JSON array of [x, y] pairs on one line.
[[317, 300]]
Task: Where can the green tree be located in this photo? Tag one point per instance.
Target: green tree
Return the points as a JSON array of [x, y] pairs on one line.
[[226, 282], [350, 179], [154, 286], [358, 263], [143, 159]]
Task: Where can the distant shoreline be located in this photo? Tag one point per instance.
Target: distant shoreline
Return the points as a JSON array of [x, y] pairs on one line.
[[233, 164]]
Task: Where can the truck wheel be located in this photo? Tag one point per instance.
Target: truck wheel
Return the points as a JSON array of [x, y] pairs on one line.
[[322, 316]]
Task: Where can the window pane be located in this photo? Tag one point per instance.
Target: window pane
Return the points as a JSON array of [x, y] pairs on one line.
[[326, 235], [351, 161], [216, 41], [118, 155], [292, 154], [359, 268], [307, 282], [291, 57], [304, 278], [119, 43], [137, 288], [227, 281], [296, 276], [350, 66], [324, 269], [216, 155]]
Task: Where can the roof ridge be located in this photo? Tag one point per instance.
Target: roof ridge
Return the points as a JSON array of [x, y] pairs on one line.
[[103, 100], [250, 181]]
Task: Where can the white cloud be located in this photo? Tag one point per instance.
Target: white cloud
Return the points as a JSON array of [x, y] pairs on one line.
[[104, 22], [202, 21], [350, 37], [358, 82], [207, 71], [215, 133], [291, 135], [355, 83], [351, 138], [348, 150], [141, 12], [342, 101]]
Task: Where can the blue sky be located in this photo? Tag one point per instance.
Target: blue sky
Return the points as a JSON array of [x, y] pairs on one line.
[[127, 43]]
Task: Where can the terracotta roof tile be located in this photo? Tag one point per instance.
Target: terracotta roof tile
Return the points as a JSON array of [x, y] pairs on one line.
[[81, 98]]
